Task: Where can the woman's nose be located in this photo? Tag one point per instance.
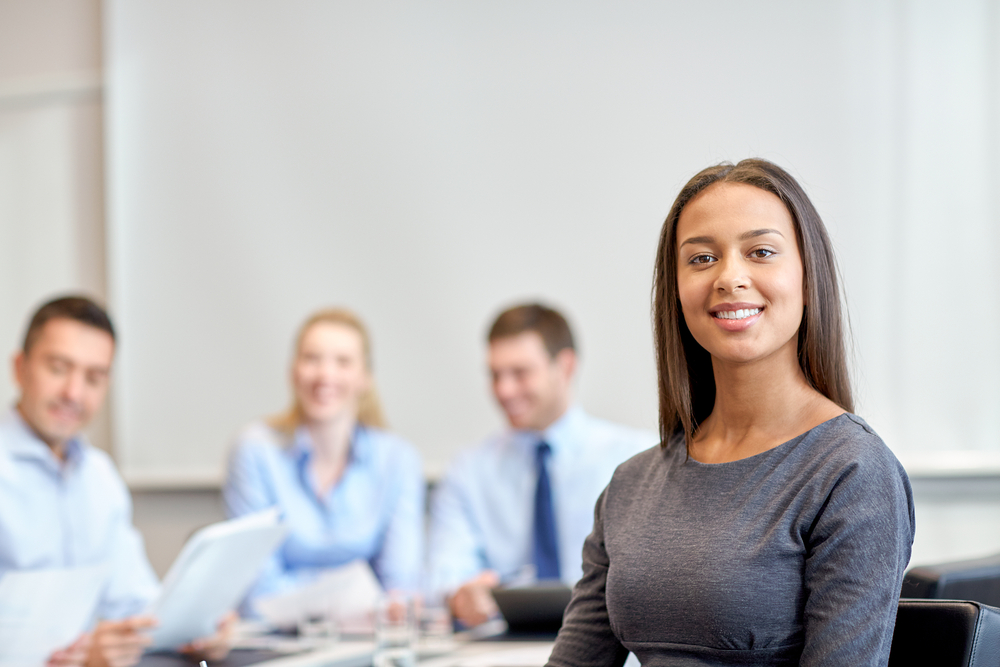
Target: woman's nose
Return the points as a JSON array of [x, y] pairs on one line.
[[732, 275]]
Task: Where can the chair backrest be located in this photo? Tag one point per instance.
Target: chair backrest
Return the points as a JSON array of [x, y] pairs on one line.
[[946, 633], [977, 580]]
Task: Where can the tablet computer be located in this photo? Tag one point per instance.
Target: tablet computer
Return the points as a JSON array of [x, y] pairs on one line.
[[536, 609], [211, 575]]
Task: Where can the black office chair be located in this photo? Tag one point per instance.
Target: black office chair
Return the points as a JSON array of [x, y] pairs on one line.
[[945, 633], [977, 580]]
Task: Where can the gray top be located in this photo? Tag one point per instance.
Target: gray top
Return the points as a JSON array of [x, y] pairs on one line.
[[791, 557]]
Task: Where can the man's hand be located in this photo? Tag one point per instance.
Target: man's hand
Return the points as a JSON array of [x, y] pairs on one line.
[[472, 604], [119, 643], [218, 645], [74, 655]]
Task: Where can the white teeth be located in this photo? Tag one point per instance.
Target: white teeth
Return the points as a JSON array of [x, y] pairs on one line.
[[740, 314]]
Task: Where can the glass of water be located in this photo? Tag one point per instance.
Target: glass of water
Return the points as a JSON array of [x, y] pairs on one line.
[[395, 631], [319, 627], [434, 628]]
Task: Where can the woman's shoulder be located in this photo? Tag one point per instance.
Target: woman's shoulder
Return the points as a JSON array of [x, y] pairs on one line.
[[260, 438], [848, 469], [647, 463], [849, 437], [847, 447]]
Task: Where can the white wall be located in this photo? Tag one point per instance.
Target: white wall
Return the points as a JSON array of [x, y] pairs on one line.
[[927, 90], [427, 164], [51, 165]]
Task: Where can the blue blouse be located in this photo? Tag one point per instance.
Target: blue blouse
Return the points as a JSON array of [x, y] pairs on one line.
[[374, 512]]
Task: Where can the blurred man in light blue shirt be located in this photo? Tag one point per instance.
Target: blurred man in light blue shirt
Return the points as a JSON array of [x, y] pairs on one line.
[[491, 512], [80, 495], [62, 503]]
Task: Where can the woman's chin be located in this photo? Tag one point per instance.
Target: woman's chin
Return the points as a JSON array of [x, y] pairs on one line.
[[326, 414]]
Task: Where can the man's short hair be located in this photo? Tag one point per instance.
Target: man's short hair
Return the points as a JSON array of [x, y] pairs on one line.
[[78, 308], [546, 322]]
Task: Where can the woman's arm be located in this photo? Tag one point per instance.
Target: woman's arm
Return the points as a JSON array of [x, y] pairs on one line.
[[586, 639], [249, 489], [400, 559], [857, 552]]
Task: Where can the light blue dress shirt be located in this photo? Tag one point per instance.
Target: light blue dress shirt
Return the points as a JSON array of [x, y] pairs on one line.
[[375, 512], [481, 513], [69, 513]]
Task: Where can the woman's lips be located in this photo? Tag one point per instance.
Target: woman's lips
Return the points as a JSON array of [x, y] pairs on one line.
[[737, 319]]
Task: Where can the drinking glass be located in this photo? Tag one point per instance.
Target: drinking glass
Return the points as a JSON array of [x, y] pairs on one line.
[[395, 632]]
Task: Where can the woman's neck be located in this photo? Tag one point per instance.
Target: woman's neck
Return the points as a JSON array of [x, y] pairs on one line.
[[757, 407], [331, 447]]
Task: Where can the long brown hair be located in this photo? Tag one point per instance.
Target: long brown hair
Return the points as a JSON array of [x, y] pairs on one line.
[[369, 407], [684, 368]]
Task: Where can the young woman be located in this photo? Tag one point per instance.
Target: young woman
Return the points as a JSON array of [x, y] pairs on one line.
[[772, 526], [347, 489]]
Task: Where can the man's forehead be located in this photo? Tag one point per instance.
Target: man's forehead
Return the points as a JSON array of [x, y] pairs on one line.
[[526, 347], [74, 341]]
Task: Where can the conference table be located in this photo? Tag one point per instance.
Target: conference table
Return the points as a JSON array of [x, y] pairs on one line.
[[499, 651]]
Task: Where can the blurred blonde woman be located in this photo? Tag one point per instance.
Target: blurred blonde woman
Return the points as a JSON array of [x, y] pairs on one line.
[[347, 488]]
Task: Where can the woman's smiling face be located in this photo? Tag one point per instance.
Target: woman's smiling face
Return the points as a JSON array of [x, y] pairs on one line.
[[330, 374], [739, 273]]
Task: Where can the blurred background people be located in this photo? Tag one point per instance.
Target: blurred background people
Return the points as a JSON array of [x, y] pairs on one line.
[[347, 488], [522, 501]]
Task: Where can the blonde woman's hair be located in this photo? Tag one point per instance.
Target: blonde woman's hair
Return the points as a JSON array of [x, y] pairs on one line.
[[369, 407]]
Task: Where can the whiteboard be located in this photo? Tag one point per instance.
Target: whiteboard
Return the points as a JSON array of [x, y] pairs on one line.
[[427, 164]]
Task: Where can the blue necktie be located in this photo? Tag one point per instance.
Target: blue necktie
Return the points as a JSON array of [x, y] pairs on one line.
[[545, 549]]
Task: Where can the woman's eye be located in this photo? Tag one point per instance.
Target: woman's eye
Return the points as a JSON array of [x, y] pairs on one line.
[[761, 253], [701, 259]]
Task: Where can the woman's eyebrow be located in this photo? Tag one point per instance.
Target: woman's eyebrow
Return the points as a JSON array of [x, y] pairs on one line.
[[754, 233], [698, 239]]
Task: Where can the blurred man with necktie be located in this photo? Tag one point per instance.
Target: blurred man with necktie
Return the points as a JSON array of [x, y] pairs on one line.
[[522, 501]]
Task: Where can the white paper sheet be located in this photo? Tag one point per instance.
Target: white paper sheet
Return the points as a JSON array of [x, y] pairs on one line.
[[347, 593], [524, 656], [45, 610]]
